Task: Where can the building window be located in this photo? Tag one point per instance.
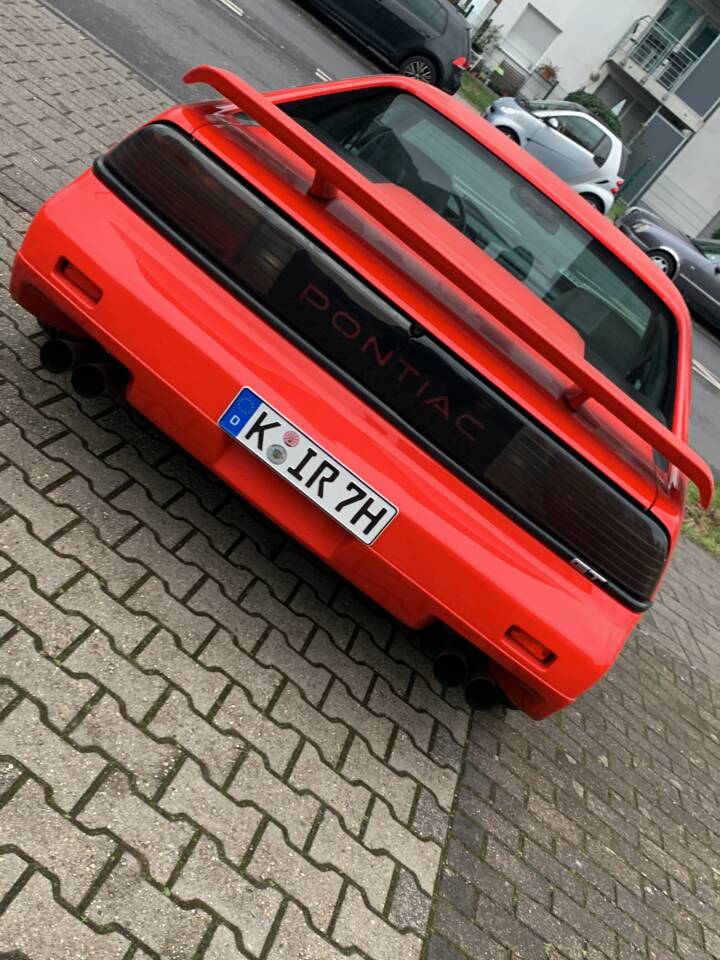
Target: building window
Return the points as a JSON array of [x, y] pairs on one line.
[[529, 38]]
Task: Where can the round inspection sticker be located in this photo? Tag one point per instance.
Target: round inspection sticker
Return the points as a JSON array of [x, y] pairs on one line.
[[276, 454], [291, 438]]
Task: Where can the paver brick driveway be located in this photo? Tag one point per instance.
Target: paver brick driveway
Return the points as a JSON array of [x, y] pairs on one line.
[[212, 747]]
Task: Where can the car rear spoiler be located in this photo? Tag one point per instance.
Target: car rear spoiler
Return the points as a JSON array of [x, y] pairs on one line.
[[332, 173]]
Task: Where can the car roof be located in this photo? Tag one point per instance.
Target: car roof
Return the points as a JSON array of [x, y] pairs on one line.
[[567, 105]]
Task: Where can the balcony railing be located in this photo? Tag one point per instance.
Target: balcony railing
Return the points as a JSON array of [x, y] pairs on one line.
[[657, 52]]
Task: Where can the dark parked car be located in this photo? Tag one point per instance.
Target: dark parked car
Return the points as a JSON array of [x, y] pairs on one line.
[[694, 265], [425, 39]]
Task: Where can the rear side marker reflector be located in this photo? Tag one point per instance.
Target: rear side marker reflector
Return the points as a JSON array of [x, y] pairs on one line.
[[530, 645], [80, 280]]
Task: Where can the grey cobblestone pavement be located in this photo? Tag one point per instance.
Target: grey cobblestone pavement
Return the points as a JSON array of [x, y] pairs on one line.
[[210, 747]]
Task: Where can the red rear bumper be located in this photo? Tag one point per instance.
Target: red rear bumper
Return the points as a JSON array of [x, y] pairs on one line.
[[190, 347]]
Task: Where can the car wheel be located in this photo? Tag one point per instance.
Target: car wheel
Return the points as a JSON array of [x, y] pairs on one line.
[[510, 134], [663, 260], [419, 68], [594, 201]]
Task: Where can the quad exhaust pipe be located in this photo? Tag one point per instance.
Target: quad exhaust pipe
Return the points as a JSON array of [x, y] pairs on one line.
[[91, 380], [94, 372], [61, 356], [459, 664]]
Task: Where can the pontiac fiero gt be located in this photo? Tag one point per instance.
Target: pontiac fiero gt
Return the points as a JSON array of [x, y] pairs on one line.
[[386, 326]]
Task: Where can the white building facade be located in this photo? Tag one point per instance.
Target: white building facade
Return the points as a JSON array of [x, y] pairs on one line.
[[656, 62]]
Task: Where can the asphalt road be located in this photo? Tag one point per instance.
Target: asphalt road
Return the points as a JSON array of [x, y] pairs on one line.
[[277, 43]]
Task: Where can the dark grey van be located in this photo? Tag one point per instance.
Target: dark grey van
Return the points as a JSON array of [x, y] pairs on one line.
[[425, 39]]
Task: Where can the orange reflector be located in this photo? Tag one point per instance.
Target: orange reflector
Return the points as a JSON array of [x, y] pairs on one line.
[[80, 280], [530, 645]]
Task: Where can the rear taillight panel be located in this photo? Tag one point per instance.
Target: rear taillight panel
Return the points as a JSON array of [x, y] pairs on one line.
[[448, 407]]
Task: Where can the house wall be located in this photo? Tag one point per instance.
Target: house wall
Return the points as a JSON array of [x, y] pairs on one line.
[[589, 31], [688, 191]]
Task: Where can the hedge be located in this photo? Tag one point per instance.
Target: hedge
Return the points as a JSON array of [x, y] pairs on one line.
[[598, 109]]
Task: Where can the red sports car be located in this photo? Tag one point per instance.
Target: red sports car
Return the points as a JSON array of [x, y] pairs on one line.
[[401, 338]]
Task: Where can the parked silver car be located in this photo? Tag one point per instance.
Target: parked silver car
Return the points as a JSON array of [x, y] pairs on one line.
[[569, 140], [694, 265]]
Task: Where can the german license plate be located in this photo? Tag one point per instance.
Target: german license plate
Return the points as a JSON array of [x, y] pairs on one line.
[[307, 466]]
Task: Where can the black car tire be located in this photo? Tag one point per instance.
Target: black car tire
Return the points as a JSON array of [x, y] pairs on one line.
[[664, 261], [420, 68], [509, 133], [594, 201]]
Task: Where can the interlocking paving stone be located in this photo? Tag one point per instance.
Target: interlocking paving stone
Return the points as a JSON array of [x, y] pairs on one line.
[[152, 597], [356, 926], [385, 702], [385, 833], [60, 936], [261, 682], [277, 743], [233, 579], [295, 811], [11, 869], [276, 652], [307, 603], [87, 597], [28, 823], [310, 772], [322, 650], [168, 530], [148, 761], [249, 908], [329, 736], [318, 890], [234, 826], [49, 570], [365, 650], [138, 691], [160, 487], [103, 479], [109, 523], [281, 582], [83, 543], [245, 628], [166, 657], [68, 772], [141, 909], [295, 940], [333, 847], [61, 694], [399, 791], [44, 517], [116, 808], [223, 946], [340, 705], [408, 759], [205, 742], [34, 424], [144, 546], [410, 908], [260, 601], [39, 468], [29, 609]]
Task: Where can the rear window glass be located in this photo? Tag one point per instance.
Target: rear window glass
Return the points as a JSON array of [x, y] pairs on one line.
[[628, 332]]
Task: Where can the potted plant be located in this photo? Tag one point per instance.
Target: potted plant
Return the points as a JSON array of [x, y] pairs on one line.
[[549, 71]]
